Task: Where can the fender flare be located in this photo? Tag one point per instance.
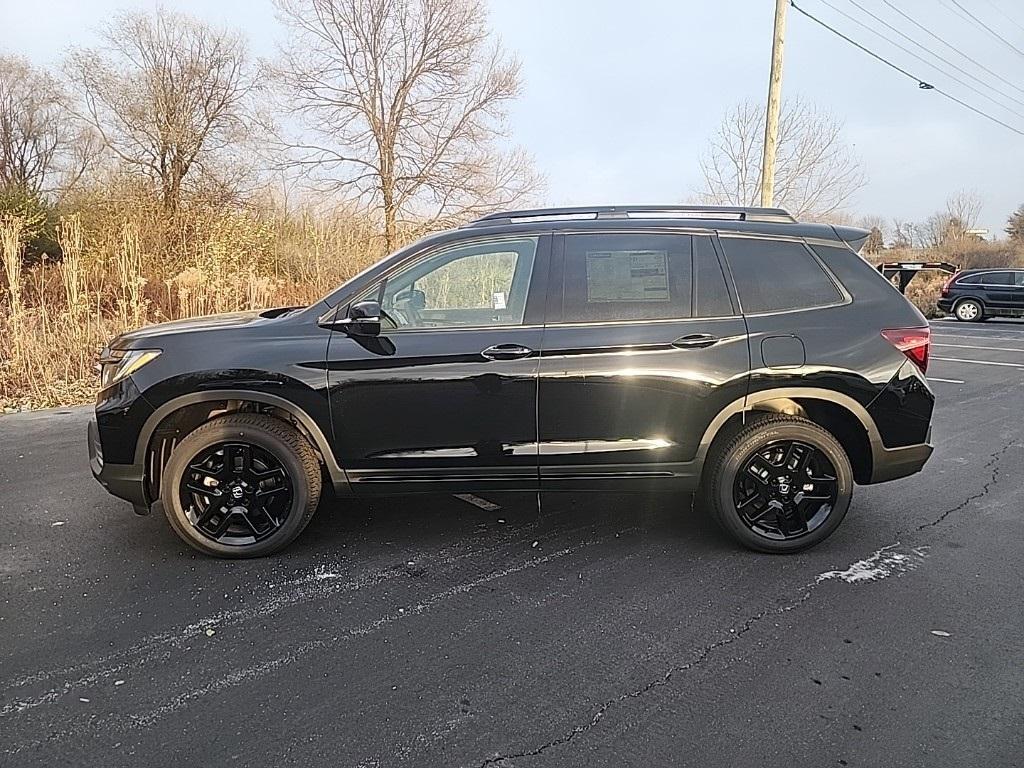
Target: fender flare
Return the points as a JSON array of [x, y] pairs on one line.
[[750, 402], [338, 476]]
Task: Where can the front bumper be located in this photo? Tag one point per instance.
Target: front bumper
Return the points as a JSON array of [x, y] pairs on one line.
[[126, 481]]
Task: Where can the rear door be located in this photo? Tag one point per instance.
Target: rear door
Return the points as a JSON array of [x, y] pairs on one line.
[[998, 290], [1018, 292], [642, 349]]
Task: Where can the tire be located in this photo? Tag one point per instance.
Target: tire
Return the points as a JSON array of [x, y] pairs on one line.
[[969, 311], [731, 469], [269, 448]]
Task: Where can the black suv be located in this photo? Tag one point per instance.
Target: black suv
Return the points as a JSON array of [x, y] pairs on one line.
[[974, 295], [733, 350]]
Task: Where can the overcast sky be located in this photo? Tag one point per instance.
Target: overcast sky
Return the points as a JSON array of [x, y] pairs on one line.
[[620, 98]]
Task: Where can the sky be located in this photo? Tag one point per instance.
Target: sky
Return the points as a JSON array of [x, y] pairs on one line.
[[619, 99]]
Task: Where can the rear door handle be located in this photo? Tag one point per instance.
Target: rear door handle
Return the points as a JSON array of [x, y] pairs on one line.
[[695, 341], [506, 352]]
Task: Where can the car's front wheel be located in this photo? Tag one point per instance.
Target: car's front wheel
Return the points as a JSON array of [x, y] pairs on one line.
[[969, 311], [241, 485], [781, 484]]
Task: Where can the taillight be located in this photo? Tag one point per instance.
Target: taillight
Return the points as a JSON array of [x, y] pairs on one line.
[[945, 285], [912, 342]]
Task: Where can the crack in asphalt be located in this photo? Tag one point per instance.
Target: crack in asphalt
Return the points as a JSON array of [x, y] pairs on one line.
[[993, 465], [735, 632], [702, 654]]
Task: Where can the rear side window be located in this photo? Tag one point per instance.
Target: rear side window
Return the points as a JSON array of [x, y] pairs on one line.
[[777, 275], [626, 277], [1018, 279], [997, 278], [710, 294], [969, 280]]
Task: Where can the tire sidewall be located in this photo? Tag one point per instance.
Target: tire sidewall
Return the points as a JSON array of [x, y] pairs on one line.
[[204, 437], [977, 317], [758, 438]]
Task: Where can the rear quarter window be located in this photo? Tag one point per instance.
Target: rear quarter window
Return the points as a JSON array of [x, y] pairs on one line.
[[968, 280], [778, 275]]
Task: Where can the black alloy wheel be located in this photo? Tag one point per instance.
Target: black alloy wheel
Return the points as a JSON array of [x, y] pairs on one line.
[[236, 493], [779, 483], [241, 485], [785, 490]]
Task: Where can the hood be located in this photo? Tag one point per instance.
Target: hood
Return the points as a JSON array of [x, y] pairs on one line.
[[143, 336]]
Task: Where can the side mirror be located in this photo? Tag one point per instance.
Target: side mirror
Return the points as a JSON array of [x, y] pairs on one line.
[[363, 319], [411, 299]]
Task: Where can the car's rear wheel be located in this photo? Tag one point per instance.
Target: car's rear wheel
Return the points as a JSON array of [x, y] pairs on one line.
[[781, 484], [969, 311], [242, 485]]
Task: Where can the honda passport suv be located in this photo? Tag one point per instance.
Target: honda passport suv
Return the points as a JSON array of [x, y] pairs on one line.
[[733, 351]]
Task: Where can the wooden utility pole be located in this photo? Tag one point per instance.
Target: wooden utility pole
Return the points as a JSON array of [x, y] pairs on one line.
[[771, 121]]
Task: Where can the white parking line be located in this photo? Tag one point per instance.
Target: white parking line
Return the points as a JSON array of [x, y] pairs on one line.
[[976, 336], [945, 381], [978, 362], [972, 346]]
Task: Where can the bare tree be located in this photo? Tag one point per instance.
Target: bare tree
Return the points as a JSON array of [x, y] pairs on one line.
[[953, 225], [1015, 225], [963, 210], [400, 104], [40, 151], [815, 174], [904, 234], [168, 95]]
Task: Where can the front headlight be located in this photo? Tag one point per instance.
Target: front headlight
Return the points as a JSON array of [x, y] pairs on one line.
[[116, 364]]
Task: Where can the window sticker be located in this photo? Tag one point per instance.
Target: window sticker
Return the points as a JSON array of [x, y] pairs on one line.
[[627, 276], [498, 300]]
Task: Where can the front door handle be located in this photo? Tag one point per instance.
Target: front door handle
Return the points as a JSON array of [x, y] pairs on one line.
[[506, 352], [695, 341]]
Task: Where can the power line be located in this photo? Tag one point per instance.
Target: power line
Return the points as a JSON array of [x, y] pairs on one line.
[[920, 83], [953, 48], [1006, 16], [927, 63], [986, 27]]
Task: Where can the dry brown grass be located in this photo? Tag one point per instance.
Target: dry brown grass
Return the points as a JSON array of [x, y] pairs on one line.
[[125, 265]]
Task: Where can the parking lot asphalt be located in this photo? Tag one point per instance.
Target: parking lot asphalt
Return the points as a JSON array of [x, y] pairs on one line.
[[584, 631]]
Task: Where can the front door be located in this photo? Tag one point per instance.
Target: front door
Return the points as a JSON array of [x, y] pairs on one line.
[[447, 394], [643, 348]]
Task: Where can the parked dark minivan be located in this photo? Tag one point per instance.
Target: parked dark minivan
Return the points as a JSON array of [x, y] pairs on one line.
[[974, 295], [730, 350]]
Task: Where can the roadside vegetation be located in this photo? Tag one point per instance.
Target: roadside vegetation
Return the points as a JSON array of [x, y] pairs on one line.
[[165, 173]]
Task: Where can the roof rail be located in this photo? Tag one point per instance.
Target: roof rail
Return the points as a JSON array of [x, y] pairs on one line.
[[722, 212]]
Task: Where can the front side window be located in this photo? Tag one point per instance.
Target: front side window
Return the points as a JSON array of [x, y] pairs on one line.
[[626, 277], [474, 284], [777, 275]]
